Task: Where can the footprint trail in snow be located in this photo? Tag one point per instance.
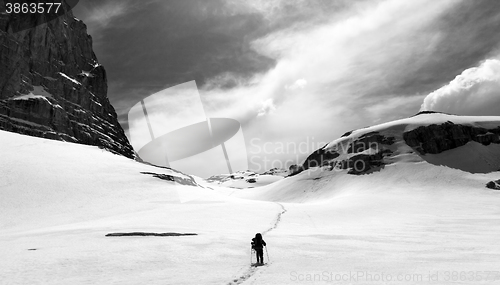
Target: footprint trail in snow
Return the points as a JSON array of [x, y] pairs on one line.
[[253, 269]]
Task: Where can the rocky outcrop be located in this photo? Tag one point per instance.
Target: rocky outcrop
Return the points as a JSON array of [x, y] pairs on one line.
[[364, 155], [365, 163], [369, 140], [319, 157], [52, 86], [495, 185], [295, 169], [185, 180], [238, 175], [251, 180], [276, 171], [436, 139]]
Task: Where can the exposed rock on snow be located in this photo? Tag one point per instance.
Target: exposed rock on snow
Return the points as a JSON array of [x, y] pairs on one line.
[[495, 185], [248, 179], [364, 154], [276, 171], [186, 180], [435, 139], [44, 92], [221, 178]]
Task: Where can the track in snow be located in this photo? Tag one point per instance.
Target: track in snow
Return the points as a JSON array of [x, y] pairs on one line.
[[253, 269], [278, 220]]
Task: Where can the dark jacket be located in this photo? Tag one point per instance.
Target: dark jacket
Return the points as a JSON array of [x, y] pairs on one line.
[[258, 243]]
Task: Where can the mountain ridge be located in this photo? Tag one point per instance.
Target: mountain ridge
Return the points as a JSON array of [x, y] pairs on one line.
[[55, 88]]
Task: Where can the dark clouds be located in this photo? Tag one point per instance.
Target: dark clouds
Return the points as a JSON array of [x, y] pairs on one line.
[[460, 38], [363, 61], [468, 34], [157, 44], [150, 45]]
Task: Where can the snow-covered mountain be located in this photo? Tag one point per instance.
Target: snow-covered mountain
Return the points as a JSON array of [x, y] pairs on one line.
[[469, 143]]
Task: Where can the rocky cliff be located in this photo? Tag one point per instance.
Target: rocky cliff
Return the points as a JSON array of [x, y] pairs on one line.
[[436, 139], [52, 86], [363, 154]]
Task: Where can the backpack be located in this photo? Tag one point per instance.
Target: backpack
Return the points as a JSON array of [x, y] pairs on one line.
[[257, 243]]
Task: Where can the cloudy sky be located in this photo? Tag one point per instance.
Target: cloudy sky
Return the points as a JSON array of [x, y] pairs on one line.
[[300, 73]]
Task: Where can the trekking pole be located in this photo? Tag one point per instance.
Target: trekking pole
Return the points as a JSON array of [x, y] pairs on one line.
[[251, 253], [267, 254]]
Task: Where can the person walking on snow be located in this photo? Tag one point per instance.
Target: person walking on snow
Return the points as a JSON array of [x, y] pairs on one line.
[[258, 245]]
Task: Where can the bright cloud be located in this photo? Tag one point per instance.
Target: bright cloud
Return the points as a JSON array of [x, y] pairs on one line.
[[267, 108], [107, 12], [474, 92], [299, 84], [347, 61], [99, 15]]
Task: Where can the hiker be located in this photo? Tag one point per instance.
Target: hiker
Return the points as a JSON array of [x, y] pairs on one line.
[[258, 245]]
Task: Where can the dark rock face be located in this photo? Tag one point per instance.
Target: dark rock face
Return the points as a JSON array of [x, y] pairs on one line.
[[56, 60], [276, 171], [364, 163], [294, 169], [188, 180], [319, 157], [369, 140], [346, 134], [377, 145], [435, 139], [495, 185], [428, 112]]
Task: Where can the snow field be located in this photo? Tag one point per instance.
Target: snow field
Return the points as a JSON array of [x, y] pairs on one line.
[[411, 219]]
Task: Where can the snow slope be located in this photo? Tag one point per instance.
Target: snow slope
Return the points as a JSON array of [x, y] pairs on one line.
[[410, 220], [62, 199]]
